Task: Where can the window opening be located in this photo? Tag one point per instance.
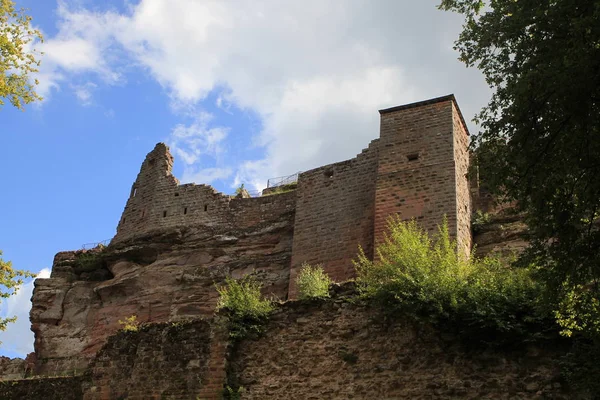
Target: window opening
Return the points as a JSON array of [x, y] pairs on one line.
[[413, 157], [184, 210], [164, 214], [205, 207]]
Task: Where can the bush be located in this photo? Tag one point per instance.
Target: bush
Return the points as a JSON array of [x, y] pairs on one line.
[[580, 367], [89, 261], [312, 282], [130, 324], [479, 220], [427, 279], [246, 308]]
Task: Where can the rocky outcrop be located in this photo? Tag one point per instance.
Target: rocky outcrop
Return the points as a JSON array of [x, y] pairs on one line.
[[163, 276], [502, 232]]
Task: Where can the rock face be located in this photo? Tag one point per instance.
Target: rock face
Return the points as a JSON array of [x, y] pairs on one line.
[[504, 234], [162, 277]]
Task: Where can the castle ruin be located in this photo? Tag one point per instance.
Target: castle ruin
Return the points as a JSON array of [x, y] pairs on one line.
[[175, 242], [416, 169]]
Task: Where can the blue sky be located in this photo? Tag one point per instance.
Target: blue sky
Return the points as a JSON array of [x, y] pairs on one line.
[[240, 90]]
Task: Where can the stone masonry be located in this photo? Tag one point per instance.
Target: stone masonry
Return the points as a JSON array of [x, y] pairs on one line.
[[416, 169], [175, 242]]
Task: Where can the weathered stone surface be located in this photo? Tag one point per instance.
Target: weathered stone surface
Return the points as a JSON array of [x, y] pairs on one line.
[[13, 368], [338, 350], [59, 388], [167, 276], [168, 360], [175, 242], [329, 349], [505, 234]]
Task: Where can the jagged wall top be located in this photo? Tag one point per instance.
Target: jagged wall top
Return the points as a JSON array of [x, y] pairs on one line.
[[157, 201]]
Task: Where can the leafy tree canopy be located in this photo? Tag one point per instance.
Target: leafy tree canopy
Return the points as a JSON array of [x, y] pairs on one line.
[[540, 133], [10, 280], [17, 59]]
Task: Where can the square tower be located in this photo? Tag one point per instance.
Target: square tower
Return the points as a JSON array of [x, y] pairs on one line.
[[422, 168]]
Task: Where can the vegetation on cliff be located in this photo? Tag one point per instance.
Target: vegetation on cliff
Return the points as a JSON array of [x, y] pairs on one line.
[[481, 299], [244, 305], [313, 282]]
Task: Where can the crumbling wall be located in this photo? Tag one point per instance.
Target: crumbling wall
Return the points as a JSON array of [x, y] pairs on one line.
[[169, 360], [175, 242], [157, 202], [56, 388], [336, 349], [334, 215]]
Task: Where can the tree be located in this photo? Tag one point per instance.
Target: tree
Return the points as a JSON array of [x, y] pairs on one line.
[[17, 60], [10, 280], [16, 63], [540, 134]]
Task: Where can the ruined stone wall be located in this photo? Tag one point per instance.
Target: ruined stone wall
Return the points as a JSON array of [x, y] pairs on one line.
[[157, 202], [175, 242], [158, 361], [334, 215], [416, 175], [338, 350], [334, 349], [56, 388]]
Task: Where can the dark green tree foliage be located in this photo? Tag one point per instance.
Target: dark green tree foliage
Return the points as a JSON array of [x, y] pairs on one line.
[[540, 134]]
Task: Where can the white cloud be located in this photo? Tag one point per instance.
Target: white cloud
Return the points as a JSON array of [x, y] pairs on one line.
[[206, 175], [84, 92], [197, 143], [315, 72], [18, 337]]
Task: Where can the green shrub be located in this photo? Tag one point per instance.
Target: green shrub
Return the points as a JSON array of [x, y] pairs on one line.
[[240, 189], [233, 393], [479, 220], [282, 189], [246, 308], [312, 282], [89, 261], [130, 324], [428, 279], [580, 367]]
